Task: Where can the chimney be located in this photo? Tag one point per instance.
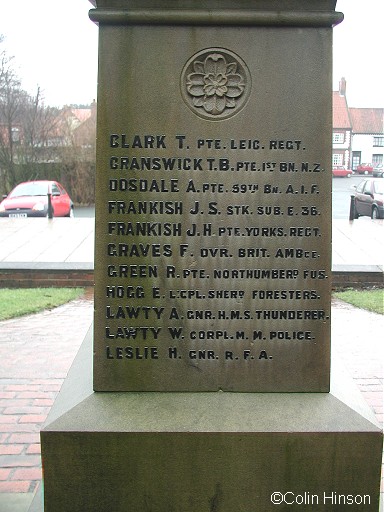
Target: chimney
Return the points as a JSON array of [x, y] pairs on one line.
[[93, 108], [342, 87]]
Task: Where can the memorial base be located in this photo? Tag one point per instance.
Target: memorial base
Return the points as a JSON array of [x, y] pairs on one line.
[[214, 452]]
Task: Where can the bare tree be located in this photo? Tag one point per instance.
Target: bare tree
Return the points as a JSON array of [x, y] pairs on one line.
[[29, 130], [77, 154], [40, 128], [10, 100], [38, 141]]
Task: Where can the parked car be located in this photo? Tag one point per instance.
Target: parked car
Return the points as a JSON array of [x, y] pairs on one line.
[[378, 171], [368, 199], [30, 199], [341, 171], [366, 168]]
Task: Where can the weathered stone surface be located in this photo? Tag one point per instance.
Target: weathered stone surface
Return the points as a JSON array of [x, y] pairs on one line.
[[213, 203], [187, 451]]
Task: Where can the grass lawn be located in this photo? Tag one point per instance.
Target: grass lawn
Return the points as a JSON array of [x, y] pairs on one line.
[[371, 300], [16, 302]]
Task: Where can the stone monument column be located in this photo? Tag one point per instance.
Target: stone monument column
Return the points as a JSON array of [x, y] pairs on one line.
[[211, 387], [213, 205]]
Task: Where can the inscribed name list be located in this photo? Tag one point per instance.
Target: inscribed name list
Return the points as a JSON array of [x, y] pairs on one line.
[[213, 239]]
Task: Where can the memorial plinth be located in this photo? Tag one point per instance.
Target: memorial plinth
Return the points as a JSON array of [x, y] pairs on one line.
[[208, 451], [211, 336]]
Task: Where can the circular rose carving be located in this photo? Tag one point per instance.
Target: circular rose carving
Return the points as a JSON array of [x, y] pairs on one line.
[[215, 83]]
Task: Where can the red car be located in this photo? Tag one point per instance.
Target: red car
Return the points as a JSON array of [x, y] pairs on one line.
[[30, 199], [341, 171], [366, 168]]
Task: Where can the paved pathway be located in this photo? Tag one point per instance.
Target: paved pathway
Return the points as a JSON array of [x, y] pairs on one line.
[[36, 352], [41, 240], [358, 243]]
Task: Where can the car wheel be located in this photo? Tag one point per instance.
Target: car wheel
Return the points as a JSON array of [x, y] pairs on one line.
[[349, 175], [375, 213], [71, 213]]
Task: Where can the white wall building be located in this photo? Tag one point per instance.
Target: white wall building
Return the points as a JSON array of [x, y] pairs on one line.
[[367, 135], [358, 133]]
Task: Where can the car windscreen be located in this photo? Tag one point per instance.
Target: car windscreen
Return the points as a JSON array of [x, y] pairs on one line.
[[30, 189], [379, 187]]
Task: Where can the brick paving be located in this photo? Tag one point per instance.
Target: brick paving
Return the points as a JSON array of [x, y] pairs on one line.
[[36, 352], [357, 337]]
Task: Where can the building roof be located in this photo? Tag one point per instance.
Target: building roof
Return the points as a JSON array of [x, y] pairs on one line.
[[367, 120], [340, 112], [82, 114]]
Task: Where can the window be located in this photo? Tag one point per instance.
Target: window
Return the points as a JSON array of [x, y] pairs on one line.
[[378, 141], [368, 187], [337, 159], [15, 135], [338, 137], [55, 190]]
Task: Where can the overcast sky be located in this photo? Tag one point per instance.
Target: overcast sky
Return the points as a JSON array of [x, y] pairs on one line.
[[55, 46]]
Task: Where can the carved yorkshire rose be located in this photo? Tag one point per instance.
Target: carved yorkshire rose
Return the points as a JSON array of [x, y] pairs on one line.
[[215, 83]]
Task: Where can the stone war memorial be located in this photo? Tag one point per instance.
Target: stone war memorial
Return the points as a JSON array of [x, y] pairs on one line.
[[212, 387]]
